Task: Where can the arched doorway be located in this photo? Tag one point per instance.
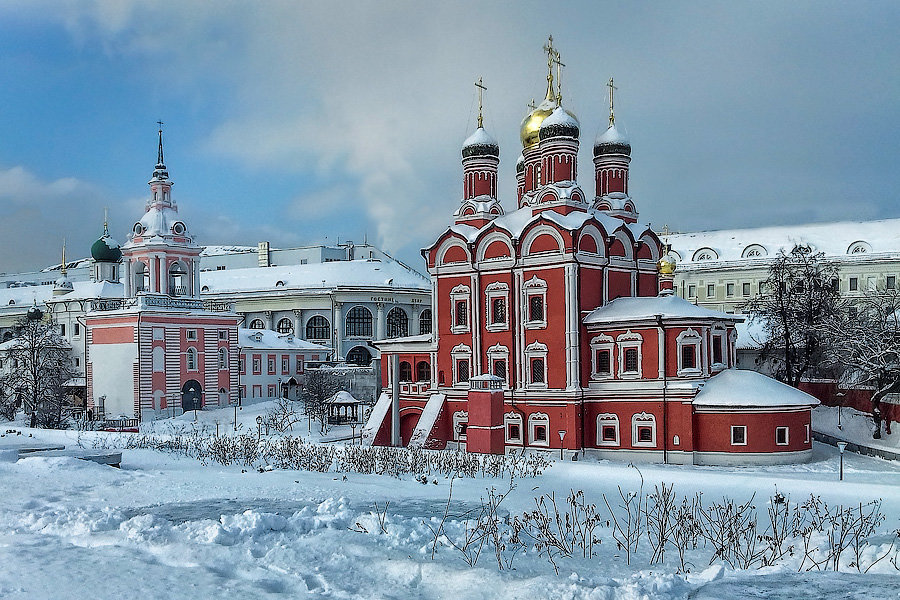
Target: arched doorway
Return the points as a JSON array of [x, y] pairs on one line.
[[191, 395], [359, 356], [292, 389]]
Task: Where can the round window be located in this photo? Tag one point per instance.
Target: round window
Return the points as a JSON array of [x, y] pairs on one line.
[[138, 229], [178, 228]]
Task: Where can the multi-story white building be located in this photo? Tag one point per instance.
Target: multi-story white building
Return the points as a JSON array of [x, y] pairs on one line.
[[273, 364], [723, 269]]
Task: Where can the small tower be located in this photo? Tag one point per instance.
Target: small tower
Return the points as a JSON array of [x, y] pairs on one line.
[[105, 255], [665, 268], [520, 179], [612, 156], [529, 131], [63, 285], [480, 161]]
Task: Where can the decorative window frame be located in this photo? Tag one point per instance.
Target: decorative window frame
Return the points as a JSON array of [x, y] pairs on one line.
[[512, 418], [191, 355], [705, 253], [754, 251], [689, 337], [460, 293], [787, 436], [643, 419], [498, 352], [532, 351], [608, 419], [598, 343], [458, 353], [535, 420], [625, 342], [718, 331], [733, 429], [460, 417], [534, 287], [223, 358], [494, 291]]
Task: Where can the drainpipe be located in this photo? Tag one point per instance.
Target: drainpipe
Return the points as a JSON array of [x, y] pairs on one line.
[[665, 423]]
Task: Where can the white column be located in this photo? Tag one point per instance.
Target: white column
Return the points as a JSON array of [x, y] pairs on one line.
[[414, 326], [154, 271], [269, 324], [129, 278], [380, 329], [298, 323], [338, 322], [195, 277], [163, 275]]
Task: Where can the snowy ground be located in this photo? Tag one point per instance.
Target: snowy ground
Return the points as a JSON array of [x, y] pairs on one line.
[[855, 427], [165, 526]]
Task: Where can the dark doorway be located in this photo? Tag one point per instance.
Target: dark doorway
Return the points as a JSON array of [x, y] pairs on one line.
[[191, 395]]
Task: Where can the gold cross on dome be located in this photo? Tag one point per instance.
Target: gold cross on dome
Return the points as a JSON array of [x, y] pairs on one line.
[[559, 64], [548, 48], [481, 89], [532, 105], [612, 114]]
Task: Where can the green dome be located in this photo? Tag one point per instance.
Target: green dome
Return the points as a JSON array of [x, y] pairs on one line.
[[106, 249]]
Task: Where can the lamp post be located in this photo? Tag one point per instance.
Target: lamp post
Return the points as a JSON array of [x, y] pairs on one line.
[[562, 436], [259, 421], [352, 433], [841, 447], [840, 397]]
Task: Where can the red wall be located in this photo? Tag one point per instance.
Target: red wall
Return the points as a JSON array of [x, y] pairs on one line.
[[713, 431]]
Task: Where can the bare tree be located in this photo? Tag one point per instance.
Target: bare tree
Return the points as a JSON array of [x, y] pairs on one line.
[[867, 346], [318, 388], [799, 296], [38, 365]]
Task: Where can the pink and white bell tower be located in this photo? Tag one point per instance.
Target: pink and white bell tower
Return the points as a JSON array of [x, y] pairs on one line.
[[160, 257]]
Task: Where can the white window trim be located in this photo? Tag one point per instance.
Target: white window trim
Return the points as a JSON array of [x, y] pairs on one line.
[[534, 420], [535, 287], [735, 427], [460, 293], [461, 352], [535, 350], [187, 362], [498, 352], [602, 342], [625, 341], [787, 436], [459, 417], [190, 334], [493, 291], [718, 331], [807, 433], [643, 419], [607, 419], [511, 418], [689, 337]]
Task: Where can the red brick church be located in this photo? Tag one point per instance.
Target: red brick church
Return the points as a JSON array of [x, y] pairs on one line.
[[555, 326]]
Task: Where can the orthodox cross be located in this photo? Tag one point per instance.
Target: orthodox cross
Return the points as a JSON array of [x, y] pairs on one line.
[[612, 114], [559, 64], [481, 89], [62, 268], [548, 48], [159, 158], [105, 220]]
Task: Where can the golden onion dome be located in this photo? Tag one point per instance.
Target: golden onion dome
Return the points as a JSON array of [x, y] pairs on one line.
[[531, 124], [666, 265]]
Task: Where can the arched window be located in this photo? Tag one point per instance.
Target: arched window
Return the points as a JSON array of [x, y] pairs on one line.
[[405, 371], [159, 359], [425, 321], [318, 328], [359, 322], [257, 324], [141, 277], [397, 323], [285, 326], [359, 357], [607, 429], [643, 430], [223, 359], [191, 359], [539, 429], [178, 279], [423, 371], [460, 424], [513, 424]]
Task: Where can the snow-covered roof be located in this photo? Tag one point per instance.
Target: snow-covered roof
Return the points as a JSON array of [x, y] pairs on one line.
[[25, 296], [410, 341], [343, 397], [480, 137], [611, 136], [749, 389], [220, 250], [266, 339], [751, 334], [645, 308], [340, 273], [516, 221], [855, 239]]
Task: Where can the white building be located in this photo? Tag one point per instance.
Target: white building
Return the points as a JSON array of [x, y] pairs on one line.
[[723, 269], [273, 364]]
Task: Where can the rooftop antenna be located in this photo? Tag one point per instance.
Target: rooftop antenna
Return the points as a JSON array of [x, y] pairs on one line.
[[481, 89], [612, 113]]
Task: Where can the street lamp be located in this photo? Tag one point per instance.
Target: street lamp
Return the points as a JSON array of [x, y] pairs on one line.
[[840, 397], [562, 436], [841, 447], [259, 421]]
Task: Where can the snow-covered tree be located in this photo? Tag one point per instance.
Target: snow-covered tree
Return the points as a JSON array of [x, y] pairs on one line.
[[797, 299], [866, 346], [318, 387], [37, 365]]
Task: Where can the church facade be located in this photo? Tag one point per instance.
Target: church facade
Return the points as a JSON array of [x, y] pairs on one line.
[[556, 326]]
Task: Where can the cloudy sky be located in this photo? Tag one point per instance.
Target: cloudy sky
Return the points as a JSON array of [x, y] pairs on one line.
[[304, 122]]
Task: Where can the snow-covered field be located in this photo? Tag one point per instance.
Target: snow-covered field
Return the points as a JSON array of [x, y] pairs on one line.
[[165, 526]]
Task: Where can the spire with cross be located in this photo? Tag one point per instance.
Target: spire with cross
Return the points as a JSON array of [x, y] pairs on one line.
[[62, 268], [160, 162], [105, 220], [559, 64], [481, 89], [612, 113], [548, 48]]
